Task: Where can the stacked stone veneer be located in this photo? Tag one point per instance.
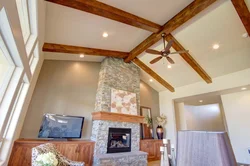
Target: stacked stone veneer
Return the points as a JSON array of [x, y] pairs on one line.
[[116, 74]]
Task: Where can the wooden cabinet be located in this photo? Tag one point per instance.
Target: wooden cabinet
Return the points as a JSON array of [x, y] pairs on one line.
[[152, 147], [74, 150]]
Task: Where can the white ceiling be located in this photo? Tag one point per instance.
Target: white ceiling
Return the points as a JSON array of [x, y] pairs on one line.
[[73, 27], [248, 4], [158, 11], [198, 35]]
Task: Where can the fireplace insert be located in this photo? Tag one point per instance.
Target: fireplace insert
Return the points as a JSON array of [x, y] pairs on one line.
[[119, 140]]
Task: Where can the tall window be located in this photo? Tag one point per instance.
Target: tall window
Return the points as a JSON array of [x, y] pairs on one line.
[[17, 67], [22, 8], [6, 68]]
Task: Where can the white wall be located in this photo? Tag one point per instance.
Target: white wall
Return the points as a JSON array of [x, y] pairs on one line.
[[237, 112], [232, 80], [204, 117], [180, 116]]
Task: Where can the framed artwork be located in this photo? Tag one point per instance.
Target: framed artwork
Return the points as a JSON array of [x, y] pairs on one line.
[[123, 102]]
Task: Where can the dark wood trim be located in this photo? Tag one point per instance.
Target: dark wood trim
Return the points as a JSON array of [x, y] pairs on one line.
[[110, 12], [182, 17], [243, 12], [189, 59], [60, 48], [153, 74]]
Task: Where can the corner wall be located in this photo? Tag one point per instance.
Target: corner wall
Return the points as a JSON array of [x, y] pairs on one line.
[[237, 113], [167, 98]]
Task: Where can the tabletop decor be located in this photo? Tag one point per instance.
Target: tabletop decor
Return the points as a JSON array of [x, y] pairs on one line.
[[160, 120]]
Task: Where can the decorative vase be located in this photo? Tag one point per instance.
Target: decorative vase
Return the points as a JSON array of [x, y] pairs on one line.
[[159, 131]]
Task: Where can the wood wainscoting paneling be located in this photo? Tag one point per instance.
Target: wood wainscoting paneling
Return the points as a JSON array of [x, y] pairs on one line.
[[76, 150], [117, 117]]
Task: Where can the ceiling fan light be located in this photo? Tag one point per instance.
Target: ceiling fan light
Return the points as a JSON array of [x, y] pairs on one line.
[[169, 66]]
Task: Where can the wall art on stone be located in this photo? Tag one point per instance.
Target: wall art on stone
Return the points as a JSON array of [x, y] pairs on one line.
[[123, 102]]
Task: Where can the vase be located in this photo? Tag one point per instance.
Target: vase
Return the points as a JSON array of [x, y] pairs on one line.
[[159, 131]]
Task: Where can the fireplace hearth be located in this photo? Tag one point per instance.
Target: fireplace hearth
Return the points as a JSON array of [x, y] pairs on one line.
[[119, 140]]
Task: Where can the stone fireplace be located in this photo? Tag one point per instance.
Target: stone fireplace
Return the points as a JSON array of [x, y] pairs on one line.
[[116, 135]]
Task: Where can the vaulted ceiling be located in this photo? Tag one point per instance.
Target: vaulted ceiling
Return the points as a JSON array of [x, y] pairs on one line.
[[219, 23]]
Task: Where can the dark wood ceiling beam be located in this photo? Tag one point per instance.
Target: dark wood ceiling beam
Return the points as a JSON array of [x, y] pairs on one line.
[[189, 59], [104, 10], [153, 74], [59, 48], [186, 14], [243, 12]]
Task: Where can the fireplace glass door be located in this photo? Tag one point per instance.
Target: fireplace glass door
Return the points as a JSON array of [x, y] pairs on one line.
[[119, 140]]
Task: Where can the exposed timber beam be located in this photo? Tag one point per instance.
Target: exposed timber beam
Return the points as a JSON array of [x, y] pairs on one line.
[[243, 12], [153, 74], [189, 59], [182, 17], [50, 47], [104, 10]]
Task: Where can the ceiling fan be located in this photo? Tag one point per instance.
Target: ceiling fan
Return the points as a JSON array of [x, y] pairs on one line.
[[165, 52]]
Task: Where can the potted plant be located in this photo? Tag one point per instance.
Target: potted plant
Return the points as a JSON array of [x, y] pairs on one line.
[[148, 121], [160, 120]]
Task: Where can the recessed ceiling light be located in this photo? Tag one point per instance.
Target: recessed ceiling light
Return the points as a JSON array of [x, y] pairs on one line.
[[105, 34], [169, 66], [243, 88], [151, 80], [200, 101], [81, 55], [245, 35], [216, 46]]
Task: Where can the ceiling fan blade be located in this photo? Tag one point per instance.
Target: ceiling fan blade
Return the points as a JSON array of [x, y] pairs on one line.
[[180, 52], [150, 51], [170, 60], [169, 45], [155, 60]]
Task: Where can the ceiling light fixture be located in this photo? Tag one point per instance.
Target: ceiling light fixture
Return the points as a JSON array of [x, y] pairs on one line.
[[216, 46], [151, 80], [81, 55], [243, 88], [169, 66], [200, 101], [105, 34]]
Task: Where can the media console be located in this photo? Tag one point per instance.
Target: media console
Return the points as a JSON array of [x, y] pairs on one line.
[[77, 150]]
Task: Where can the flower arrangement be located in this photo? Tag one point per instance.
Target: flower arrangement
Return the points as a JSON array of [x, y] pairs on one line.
[[148, 121], [161, 120], [46, 159]]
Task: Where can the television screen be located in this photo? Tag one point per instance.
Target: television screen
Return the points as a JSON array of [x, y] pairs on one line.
[[61, 126]]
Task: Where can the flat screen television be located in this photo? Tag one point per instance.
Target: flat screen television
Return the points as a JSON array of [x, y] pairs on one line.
[[61, 126]]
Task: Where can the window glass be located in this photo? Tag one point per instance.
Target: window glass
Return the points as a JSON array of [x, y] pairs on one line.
[[6, 68], [22, 8]]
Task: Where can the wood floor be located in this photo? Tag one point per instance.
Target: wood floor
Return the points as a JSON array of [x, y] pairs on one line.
[[154, 163]]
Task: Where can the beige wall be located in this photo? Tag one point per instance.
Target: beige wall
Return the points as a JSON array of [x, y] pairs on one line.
[[237, 113], [63, 88], [180, 117], [69, 88], [204, 117], [150, 98]]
